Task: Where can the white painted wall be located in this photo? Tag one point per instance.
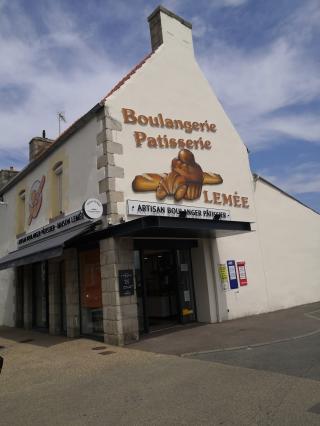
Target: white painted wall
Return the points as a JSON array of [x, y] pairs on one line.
[[204, 282], [247, 300], [290, 241], [80, 155], [281, 255], [171, 83], [7, 290]]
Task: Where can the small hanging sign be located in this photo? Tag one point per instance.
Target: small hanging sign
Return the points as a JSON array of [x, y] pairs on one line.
[[223, 273], [242, 273], [231, 264], [126, 282]]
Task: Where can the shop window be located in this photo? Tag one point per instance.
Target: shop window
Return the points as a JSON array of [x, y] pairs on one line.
[[21, 211], [57, 188]]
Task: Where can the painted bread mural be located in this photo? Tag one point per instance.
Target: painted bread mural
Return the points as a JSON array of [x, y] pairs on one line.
[[184, 181]]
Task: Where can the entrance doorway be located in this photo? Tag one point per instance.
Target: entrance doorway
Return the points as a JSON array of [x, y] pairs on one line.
[[164, 288], [63, 301], [90, 294], [40, 304]]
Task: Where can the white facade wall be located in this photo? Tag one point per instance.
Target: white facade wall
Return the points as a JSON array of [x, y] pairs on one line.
[[7, 292], [186, 95], [289, 236], [171, 83], [81, 177], [282, 251]]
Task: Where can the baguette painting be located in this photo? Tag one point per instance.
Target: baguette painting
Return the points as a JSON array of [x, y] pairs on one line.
[[185, 180]]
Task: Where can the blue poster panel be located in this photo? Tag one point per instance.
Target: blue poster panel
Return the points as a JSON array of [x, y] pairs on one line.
[[231, 264]]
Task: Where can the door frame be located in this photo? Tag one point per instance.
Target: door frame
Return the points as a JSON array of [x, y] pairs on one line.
[[43, 264], [174, 250]]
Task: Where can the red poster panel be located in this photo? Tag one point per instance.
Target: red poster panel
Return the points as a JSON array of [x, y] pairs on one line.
[[242, 273]]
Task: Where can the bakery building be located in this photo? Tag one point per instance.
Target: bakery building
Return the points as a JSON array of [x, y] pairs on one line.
[[144, 214]]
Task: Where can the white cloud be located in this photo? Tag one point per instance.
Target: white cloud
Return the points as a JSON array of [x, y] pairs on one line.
[[199, 27], [34, 67], [232, 3], [302, 179], [305, 127], [254, 85]]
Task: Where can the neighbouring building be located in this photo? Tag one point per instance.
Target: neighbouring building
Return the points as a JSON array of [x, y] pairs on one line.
[[145, 213]]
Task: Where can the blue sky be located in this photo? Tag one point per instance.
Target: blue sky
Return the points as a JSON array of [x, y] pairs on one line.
[[261, 57]]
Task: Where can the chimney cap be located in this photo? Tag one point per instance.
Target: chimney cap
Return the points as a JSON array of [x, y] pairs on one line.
[[169, 13]]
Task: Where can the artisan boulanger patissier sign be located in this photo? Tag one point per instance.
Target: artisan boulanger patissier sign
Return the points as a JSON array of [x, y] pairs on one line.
[[184, 179], [145, 208]]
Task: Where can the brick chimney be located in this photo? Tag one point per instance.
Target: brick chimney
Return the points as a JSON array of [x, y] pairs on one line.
[[38, 145], [6, 175], [166, 28]]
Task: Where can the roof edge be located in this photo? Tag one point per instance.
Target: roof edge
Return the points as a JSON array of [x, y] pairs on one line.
[[127, 77], [73, 128], [258, 177]]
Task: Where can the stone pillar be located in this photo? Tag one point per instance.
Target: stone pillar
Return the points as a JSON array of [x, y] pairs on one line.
[[72, 292], [120, 314], [54, 298], [107, 162], [27, 297], [18, 315]]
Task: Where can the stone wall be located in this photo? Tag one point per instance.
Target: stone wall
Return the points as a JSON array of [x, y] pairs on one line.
[[72, 292], [120, 317], [27, 298], [6, 175], [106, 161], [54, 297]]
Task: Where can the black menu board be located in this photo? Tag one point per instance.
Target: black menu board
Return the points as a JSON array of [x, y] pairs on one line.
[[126, 283]]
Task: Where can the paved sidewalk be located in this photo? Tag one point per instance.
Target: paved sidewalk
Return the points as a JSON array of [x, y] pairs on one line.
[[259, 329], [50, 380]]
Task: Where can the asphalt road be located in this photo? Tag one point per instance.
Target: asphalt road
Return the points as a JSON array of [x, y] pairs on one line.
[[300, 358]]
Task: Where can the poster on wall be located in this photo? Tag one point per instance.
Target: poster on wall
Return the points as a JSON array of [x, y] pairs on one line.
[[223, 273], [232, 274], [242, 273], [126, 282]]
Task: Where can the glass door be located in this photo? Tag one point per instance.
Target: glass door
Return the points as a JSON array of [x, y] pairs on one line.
[[165, 292]]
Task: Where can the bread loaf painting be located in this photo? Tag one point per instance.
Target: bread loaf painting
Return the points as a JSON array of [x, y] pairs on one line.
[[184, 181]]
